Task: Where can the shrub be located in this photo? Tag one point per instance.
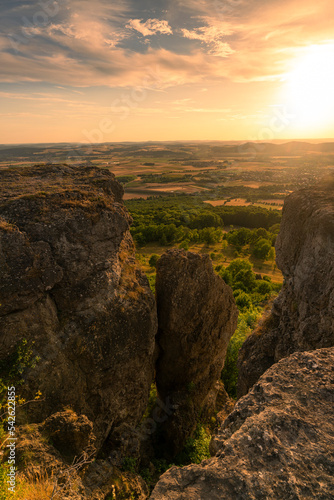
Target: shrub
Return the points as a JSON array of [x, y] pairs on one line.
[[246, 323], [264, 288], [196, 448], [243, 301], [184, 245], [153, 260]]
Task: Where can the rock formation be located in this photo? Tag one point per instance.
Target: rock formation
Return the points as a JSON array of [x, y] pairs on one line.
[[69, 285], [197, 316], [58, 454], [277, 443], [302, 317]]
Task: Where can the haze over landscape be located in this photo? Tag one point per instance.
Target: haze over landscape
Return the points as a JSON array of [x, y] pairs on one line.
[[81, 71]]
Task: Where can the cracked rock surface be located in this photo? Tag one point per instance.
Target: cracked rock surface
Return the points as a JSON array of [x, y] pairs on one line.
[[70, 286], [276, 444]]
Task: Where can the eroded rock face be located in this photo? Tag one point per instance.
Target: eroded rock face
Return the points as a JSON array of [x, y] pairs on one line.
[[70, 434], [197, 316], [302, 316], [277, 443], [69, 285], [58, 455]]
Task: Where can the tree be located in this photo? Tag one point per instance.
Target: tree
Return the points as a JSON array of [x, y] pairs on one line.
[[210, 235], [239, 237], [239, 275], [272, 254], [206, 219], [261, 249]]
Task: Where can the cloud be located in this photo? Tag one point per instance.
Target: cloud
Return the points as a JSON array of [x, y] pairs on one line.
[[213, 37], [94, 43], [150, 27]]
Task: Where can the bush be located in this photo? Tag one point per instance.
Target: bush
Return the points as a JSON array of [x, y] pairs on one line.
[[246, 322], [196, 448], [184, 245], [243, 301], [153, 260], [264, 288]]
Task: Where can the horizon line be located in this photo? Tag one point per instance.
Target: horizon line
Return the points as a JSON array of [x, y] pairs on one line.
[[325, 139]]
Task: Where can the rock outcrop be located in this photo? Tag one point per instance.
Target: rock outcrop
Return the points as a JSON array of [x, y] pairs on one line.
[[56, 459], [277, 443], [69, 285], [197, 316], [302, 317]]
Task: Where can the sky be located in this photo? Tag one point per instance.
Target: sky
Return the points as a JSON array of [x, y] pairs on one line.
[[158, 70]]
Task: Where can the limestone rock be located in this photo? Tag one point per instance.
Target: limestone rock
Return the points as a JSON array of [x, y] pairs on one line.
[[46, 473], [70, 286], [277, 443], [302, 317], [197, 316], [70, 434]]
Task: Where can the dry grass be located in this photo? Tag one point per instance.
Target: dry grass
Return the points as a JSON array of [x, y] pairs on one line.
[[7, 227], [216, 203], [37, 486]]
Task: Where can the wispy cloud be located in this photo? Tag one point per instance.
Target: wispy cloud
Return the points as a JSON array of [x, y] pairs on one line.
[[99, 43], [150, 27], [213, 37], [182, 48]]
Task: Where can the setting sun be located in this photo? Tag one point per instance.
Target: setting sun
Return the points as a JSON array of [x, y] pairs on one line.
[[309, 88]]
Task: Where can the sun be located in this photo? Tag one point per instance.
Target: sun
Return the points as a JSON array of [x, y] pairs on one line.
[[309, 89]]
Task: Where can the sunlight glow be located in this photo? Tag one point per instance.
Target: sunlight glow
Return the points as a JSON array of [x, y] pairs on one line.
[[309, 90]]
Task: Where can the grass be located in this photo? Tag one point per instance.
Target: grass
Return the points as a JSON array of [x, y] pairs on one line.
[[246, 323]]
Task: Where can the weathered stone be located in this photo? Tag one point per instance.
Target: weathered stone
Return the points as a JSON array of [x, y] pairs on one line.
[[276, 444], [70, 434], [46, 473], [197, 316], [70, 286], [302, 317]]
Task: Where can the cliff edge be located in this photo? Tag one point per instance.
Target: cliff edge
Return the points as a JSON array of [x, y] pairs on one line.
[[277, 442], [70, 287], [302, 317]]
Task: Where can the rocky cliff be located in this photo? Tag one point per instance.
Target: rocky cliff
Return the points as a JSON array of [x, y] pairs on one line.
[[69, 285], [302, 317], [79, 325], [197, 316], [277, 443]]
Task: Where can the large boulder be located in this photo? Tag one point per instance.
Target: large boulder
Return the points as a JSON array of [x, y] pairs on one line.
[[302, 317], [197, 316], [70, 287], [277, 443]]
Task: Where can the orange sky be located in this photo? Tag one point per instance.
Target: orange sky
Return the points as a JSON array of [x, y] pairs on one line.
[[166, 70]]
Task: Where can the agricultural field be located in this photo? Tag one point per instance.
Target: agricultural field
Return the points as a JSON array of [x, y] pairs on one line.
[[227, 173]]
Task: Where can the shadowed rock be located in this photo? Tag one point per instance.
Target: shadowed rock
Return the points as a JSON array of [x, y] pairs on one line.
[[302, 317], [276, 444], [197, 316], [70, 286]]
